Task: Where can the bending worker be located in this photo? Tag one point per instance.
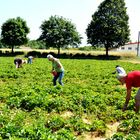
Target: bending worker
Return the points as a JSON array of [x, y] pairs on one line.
[[132, 79], [18, 62]]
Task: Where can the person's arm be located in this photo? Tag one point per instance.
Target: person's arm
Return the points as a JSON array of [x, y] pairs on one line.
[[59, 65], [128, 95], [16, 63]]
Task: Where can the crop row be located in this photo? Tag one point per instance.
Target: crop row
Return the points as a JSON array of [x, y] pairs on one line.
[[91, 98]]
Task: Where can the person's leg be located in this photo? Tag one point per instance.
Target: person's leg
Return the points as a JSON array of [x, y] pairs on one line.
[[137, 101], [30, 61], [17, 66], [55, 79], [61, 75]]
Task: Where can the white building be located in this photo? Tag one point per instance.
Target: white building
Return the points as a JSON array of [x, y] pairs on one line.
[[132, 47]]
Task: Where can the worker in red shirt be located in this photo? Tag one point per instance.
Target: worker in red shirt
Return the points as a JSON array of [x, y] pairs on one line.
[[132, 79]]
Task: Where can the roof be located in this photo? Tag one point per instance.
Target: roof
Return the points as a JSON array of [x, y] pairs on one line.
[[132, 43]]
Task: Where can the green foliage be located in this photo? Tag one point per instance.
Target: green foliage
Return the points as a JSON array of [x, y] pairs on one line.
[[35, 44], [59, 32], [55, 123], [109, 25], [14, 32], [91, 48], [2, 45], [91, 98], [129, 125], [98, 126], [121, 136], [65, 135], [118, 136]]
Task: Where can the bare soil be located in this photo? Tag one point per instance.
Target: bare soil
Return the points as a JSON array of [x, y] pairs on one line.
[[112, 129]]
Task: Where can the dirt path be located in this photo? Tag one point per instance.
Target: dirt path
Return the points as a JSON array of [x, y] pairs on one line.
[[112, 129]]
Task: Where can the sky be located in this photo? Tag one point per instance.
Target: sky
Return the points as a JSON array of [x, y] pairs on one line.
[[79, 12]]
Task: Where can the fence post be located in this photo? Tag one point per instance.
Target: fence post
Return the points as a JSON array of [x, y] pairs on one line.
[[138, 49]]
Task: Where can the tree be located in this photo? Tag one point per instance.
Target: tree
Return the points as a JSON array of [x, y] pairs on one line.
[[2, 45], [14, 32], [58, 32], [36, 44], [109, 25]]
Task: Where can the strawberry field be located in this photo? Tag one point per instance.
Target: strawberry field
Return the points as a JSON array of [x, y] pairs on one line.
[[91, 98]]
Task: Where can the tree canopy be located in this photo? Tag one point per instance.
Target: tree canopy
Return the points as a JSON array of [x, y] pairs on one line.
[[36, 44], [109, 25], [14, 32], [59, 32]]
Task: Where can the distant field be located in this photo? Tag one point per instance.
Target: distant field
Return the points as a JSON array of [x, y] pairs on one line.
[[74, 51]]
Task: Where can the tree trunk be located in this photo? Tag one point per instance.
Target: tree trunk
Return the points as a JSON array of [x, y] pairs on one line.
[[106, 47], [58, 52], [12, 49]]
